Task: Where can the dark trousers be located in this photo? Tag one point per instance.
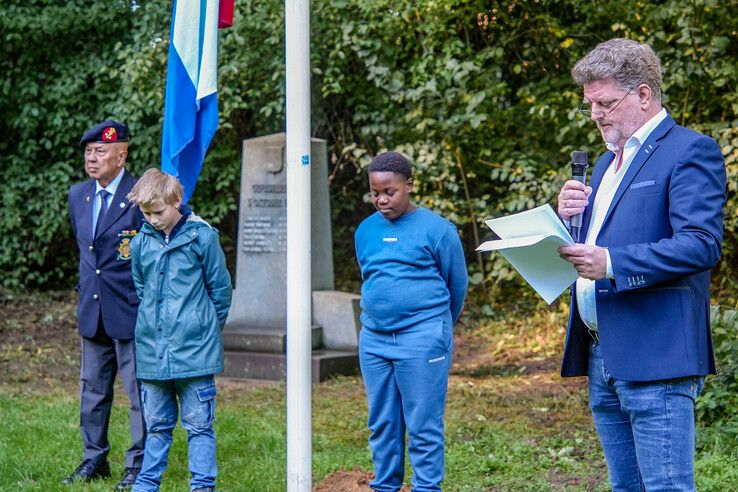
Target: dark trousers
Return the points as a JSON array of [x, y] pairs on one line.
[[102, 358]]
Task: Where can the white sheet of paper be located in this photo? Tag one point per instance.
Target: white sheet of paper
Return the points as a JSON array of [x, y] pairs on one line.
[[530, 241], [514, 242], [536, 221]]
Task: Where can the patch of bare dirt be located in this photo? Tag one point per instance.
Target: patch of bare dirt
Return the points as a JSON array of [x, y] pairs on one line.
[[489, 358], [39, 342], [342, 480]]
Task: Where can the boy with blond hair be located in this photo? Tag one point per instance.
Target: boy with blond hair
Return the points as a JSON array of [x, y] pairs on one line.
[[180, 275]]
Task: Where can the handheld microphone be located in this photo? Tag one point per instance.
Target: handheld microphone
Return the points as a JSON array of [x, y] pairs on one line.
[[579, 165]]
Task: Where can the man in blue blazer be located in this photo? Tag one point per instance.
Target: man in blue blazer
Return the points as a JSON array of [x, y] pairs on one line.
[[652, 228], [104, 222]]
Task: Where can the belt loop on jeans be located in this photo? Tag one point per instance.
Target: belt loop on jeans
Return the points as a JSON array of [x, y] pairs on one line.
[[594, 334]]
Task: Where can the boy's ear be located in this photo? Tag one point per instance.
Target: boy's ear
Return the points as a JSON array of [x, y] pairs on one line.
[[409, 184]]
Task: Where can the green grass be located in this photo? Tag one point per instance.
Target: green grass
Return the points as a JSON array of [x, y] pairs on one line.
[[496, 440], [500, 437]]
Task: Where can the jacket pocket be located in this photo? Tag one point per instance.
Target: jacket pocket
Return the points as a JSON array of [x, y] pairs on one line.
[[646, 187]]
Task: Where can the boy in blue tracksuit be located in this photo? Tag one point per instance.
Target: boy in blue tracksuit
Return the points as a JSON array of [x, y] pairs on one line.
[[415, 281], [180, 275]]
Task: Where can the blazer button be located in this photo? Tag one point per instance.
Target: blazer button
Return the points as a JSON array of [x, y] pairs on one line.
[[96, 297], [97, 272], [91, 248]]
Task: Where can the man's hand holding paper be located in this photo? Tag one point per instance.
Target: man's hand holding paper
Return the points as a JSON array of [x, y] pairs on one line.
[[590, 261]]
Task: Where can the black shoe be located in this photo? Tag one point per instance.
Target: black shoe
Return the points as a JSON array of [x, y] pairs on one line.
[[129, 478], [88, 470]]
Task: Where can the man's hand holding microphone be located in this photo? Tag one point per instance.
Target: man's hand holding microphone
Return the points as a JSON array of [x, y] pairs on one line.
[[590, 261]]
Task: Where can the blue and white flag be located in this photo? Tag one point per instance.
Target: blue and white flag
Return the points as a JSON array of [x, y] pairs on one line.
[[191, 101]]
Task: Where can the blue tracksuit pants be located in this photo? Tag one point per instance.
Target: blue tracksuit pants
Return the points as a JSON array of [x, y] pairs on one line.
[[406, 376]]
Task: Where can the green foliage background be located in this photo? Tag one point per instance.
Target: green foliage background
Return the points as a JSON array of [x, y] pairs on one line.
[[477, 92]]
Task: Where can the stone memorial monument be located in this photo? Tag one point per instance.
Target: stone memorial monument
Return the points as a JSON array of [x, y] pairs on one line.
[[255, 334]]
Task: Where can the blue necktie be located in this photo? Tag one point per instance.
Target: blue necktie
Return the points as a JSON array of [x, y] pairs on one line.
[[103, 194]]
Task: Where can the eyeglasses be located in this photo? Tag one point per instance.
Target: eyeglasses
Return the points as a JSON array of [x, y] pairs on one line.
[[586, 108]]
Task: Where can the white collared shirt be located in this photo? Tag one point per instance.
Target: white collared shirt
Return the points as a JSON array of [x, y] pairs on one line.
[[585, 288], [111, 188]]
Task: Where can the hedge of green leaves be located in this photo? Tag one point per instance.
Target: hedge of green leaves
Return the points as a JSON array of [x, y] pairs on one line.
[[719, 401], [477, 92]]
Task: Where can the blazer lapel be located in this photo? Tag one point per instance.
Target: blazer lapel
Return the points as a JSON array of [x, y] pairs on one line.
[[85, 218], [644, 153]]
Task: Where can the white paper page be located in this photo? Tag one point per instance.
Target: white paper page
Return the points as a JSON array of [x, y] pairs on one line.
[[537, 221], [514, 242]]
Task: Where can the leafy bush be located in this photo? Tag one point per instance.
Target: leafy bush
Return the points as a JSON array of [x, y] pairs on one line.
[[477, 92], [717, 405]]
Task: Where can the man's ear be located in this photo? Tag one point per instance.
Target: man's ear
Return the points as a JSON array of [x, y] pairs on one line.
[[409, 184], [645, 95], [122, 156], [122, 148]]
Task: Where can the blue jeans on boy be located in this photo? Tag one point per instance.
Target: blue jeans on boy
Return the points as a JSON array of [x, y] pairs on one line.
[[405, 377], [197, 404], [646, 428]]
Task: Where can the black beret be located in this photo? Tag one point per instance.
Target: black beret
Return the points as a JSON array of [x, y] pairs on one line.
[[109, 131]]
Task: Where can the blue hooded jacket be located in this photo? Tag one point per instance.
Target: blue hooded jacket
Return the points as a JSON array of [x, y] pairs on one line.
[[185, 292]]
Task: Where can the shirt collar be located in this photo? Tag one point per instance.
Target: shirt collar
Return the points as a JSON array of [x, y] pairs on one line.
[[645, 131], [112, 186]]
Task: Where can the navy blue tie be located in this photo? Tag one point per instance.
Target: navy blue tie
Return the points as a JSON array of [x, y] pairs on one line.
[[103, 194]]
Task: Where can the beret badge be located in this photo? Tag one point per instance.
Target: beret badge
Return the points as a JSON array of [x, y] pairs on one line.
[[109, 135]]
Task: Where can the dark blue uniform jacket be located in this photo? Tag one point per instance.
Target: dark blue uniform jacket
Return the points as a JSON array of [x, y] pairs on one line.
[[105, 282]]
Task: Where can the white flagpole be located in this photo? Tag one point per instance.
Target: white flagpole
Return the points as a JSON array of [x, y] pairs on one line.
[[299, 316]]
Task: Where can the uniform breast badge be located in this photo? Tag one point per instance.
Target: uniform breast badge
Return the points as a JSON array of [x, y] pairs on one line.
[[124, 247]]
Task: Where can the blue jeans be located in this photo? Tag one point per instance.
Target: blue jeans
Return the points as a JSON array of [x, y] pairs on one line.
[[197, 404], [646, 428], [405, 377]]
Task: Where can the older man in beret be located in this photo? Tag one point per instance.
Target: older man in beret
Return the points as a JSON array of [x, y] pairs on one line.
[[104, 222]]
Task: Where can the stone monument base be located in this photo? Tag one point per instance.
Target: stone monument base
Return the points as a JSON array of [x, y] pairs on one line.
[[271, 366]]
